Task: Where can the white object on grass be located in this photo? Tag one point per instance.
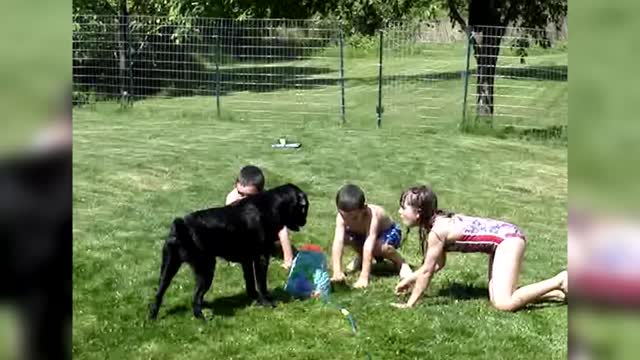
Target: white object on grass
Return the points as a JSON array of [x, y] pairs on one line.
[[282, 144]]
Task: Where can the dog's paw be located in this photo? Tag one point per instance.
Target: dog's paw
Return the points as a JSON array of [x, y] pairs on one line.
[[266, 302], [153, 312], [199, 315]]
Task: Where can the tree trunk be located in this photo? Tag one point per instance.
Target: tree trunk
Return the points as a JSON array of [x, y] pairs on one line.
[[486, 51]]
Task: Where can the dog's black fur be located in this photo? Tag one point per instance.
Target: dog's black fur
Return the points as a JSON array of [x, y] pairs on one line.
[[243, 232], [35, 249]]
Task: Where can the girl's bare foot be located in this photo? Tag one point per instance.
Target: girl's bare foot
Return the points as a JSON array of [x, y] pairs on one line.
[[554, 295], [564, 282]]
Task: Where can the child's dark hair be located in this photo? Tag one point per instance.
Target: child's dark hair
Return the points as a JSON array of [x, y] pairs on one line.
[[350, 197], [424, 199], [251, 176]]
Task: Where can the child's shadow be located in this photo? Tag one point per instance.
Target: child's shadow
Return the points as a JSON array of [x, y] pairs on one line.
[[464, 291], [384, 269], [229, 305], [545, 304], [468, 292]]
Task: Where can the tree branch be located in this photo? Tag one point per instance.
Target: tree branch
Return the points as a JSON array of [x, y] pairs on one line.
[[455, 15], [510, 14]]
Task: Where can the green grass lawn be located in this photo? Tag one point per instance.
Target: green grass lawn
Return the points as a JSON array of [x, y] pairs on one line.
[[135, 170]]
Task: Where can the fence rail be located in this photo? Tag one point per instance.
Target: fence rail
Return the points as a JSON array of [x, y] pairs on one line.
[[272, 68]]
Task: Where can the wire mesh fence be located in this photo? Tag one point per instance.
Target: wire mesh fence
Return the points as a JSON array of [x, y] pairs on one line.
[[517, 77], [256, 66], [423, 71], [293, 70]]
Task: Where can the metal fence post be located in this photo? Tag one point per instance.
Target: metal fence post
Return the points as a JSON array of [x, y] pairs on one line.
[[130, 67], [342, 102], [123, 22], [379, 108], [466, 79], [218, 59]]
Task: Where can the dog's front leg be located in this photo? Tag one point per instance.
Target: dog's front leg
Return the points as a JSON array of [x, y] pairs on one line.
[[249, 279], [262, 266]]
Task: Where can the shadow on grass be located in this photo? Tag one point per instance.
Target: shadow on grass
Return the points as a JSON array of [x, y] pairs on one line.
[[229, 305], [544, 304], [187, 76], [384, 269], [464, 291], [460, 291], [555, 133]]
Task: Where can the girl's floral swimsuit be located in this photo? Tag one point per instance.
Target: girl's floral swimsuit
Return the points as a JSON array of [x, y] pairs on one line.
[[481, 234]]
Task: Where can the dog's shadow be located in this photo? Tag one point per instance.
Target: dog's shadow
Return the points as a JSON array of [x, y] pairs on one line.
[[229, 305]]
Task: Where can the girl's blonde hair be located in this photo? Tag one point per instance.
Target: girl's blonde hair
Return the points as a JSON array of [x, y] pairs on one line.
[[425, 201]]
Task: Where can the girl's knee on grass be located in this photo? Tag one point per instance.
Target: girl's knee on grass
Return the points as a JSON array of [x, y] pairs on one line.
[[508, 305], [508, 299]]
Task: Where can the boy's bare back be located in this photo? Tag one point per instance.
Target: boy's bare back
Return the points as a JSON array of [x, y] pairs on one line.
[[361, 225]]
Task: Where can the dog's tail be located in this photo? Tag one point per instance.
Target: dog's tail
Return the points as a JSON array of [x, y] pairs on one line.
[[179, 232]]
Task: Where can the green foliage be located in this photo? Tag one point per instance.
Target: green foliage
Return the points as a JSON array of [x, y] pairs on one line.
[[358, 16], [363, 45]]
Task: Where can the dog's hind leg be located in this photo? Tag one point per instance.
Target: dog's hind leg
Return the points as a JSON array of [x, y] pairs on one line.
[[261, 268], [249, 279], [170, 265], [204, 277]]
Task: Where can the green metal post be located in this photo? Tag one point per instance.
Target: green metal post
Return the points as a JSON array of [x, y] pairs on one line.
[[218, 58], [342, 102], [379, 108], [466, 79]]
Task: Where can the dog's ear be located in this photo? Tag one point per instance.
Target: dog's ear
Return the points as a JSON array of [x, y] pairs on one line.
[[302, 200], [297, 209]]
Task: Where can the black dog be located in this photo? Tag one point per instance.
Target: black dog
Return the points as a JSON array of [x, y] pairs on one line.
[[243, 232]]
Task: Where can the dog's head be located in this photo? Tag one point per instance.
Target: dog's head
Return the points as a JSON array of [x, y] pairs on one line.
[[294, 206]]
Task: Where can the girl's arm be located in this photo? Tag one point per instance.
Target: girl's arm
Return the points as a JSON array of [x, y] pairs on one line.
[[423, 275]]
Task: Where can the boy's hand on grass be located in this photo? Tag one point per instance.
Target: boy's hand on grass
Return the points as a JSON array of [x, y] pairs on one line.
[[361, 283], [401, 305], [339, 277]]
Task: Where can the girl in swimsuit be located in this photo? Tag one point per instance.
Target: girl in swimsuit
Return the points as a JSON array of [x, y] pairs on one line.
[[441, 231]]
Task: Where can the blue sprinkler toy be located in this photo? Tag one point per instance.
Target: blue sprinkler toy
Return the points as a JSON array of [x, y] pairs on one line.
[[309, 278]]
